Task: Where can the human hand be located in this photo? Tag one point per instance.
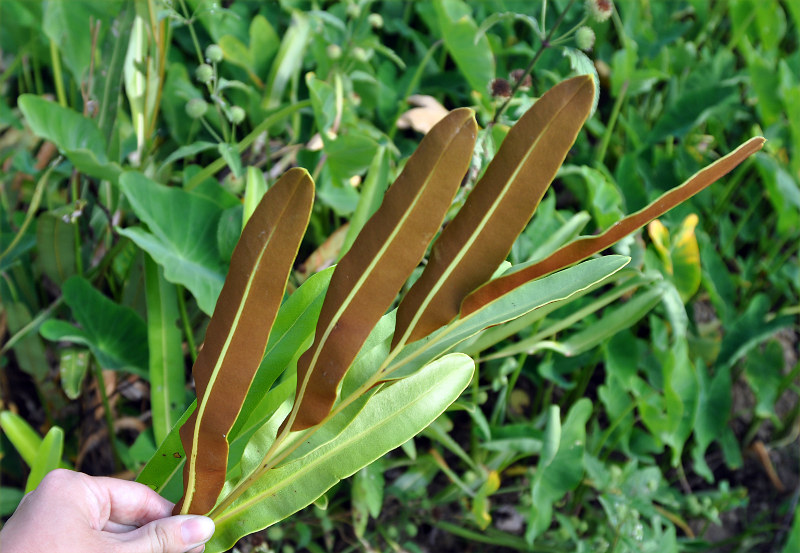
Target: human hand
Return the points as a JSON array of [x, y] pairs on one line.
[[71, 512]]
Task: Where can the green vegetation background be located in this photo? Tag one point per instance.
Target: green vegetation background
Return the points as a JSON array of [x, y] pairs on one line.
[[683, 387]]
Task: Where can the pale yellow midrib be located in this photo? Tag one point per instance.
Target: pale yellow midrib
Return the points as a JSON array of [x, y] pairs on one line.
[[260, 495]]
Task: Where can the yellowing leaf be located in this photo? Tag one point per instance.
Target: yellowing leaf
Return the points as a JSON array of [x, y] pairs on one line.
[[680, 255], [659, 235], [480, 505]]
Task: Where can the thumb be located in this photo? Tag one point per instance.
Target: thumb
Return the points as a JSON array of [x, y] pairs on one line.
[[175, 534]]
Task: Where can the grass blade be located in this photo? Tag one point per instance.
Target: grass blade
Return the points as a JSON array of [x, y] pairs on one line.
[[164, 338]]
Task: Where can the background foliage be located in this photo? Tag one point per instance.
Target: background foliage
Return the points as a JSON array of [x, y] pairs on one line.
[[658, 414]]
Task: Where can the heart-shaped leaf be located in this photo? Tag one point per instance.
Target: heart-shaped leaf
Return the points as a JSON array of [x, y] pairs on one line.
[[182, 235], [75, 135], [116, 334]]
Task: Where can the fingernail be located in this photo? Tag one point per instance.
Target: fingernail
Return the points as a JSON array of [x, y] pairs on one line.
[[197, 530]]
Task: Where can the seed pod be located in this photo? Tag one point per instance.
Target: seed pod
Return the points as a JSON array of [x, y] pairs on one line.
[[204, 73], [214, 53], [196, 108]]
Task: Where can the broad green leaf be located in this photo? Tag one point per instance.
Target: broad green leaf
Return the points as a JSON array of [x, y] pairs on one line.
[[237, 53], [21, 435], [162, 471], [392, 243], [48, 457], [323, 101], [229, 229], [9, 500], [255, 188], [75, 135], [584, 247], [238, 332], [291, 335], [29, 350], [763, 372], [479, 238], [783, 192], [459, 31], [288, 60], [582, 65], [691, 108], [390, 418], [604, 198], [368, 484], [713, 412], [116, 334], [181, 235], [164, 342], [55, 243], [72, 366], [372, 190], [218, 20], [682, 382], [562, 473], [68, 23], [264, 44], [179, 89], [532, 295], [231, 156], [349, 154], [109, 81], [749, 330]]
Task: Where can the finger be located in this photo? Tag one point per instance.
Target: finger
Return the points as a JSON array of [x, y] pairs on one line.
[[175, 534], [117, 528], [131, 503]]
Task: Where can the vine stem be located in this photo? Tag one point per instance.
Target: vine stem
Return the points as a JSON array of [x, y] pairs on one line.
[[546, 43]]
